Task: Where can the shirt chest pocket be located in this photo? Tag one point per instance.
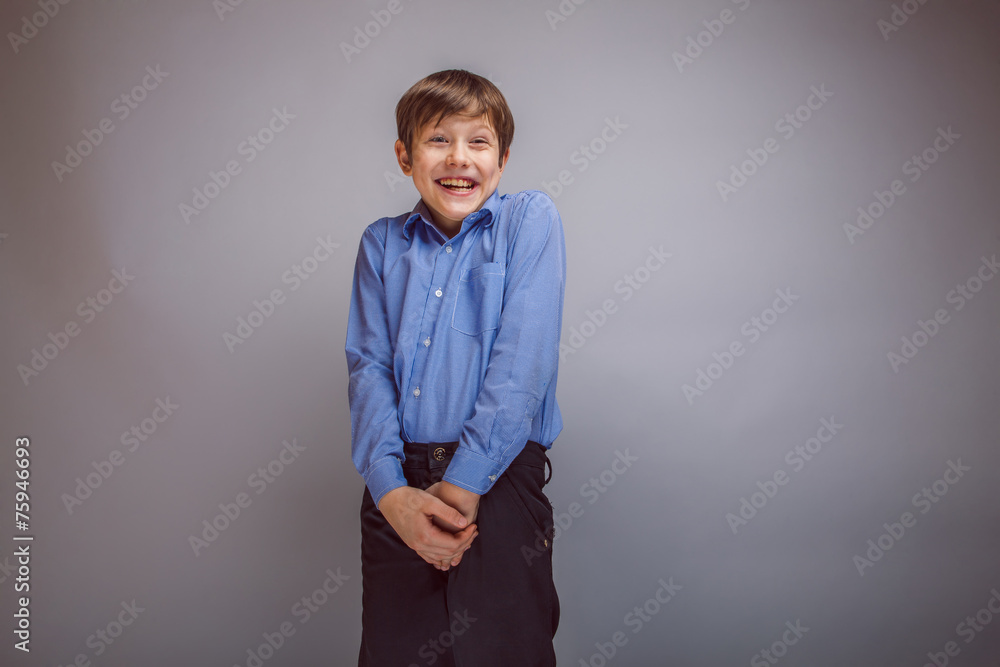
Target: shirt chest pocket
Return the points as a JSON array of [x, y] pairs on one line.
[[479, 299]]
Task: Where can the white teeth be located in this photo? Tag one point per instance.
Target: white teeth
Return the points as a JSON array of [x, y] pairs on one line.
[[457, 182]]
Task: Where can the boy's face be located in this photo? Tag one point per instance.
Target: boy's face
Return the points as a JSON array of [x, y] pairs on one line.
[[462, 152]]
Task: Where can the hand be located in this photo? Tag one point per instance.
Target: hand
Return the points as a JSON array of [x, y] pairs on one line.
[[416, 517], [466, 502]]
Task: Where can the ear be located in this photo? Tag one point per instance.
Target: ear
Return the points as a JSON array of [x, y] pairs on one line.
[[402, 158], [503, 163]]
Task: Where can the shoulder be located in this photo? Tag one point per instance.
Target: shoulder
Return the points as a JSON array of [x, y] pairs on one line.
[[533, 203], [533, 218], [383, 228]]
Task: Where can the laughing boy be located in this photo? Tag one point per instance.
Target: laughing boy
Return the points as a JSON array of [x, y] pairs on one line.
[[453, 351]]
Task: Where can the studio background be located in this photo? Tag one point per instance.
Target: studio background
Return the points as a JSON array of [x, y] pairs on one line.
[[876, 338]]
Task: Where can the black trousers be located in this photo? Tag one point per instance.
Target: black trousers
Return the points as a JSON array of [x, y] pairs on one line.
[[497, 608]]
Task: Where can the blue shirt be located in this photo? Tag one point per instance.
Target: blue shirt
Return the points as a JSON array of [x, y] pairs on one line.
[[456, 339]]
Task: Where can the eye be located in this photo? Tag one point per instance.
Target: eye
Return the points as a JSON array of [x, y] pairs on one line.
[[436, 137], [480, 141]]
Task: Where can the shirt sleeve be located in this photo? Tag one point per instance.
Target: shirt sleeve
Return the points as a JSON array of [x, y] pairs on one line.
[[376, 445], [525, 354]]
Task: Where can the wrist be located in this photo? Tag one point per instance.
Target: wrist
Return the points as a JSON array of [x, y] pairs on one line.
[[390, 497], [460, 491]]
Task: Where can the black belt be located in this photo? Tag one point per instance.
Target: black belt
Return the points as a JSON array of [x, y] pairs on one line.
[[437, 455]]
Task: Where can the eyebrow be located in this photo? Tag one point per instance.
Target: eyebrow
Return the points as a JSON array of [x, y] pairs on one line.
[[482, 127]]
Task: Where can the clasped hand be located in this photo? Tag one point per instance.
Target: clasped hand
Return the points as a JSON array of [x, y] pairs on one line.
[[437, 523]]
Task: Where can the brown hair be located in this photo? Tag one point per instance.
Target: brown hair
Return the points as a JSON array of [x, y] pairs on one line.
[[448, 92]]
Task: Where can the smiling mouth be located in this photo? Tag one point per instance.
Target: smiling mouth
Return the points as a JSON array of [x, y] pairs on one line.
[[459, 185]]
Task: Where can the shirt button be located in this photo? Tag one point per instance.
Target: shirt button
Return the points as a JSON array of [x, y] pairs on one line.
[[416, 392], [447, 248], [427, 342], [438, 293]]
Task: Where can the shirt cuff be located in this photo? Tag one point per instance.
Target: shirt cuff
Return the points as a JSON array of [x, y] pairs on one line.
[[472, 472], [384, 476]]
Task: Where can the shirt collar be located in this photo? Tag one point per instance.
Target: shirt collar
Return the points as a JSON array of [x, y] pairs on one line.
[[488, 213]]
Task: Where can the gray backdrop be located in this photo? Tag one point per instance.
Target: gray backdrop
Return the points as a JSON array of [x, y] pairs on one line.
[[781, 328]]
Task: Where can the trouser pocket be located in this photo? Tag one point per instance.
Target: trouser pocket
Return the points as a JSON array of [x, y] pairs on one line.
[[524, 482]]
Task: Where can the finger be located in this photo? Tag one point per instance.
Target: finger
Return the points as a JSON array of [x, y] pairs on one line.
[[436, 507], [437, 560], [442, 564], [445, 547], [444, 525], [436, 539], [467, 536], [442, 545], [456, 556], [437, 555], [428, 558], [460, 547]]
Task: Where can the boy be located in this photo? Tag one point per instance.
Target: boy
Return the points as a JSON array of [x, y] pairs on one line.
[[453, 349]]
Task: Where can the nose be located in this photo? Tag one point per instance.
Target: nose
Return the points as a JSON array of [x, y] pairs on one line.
[[458, 155]]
